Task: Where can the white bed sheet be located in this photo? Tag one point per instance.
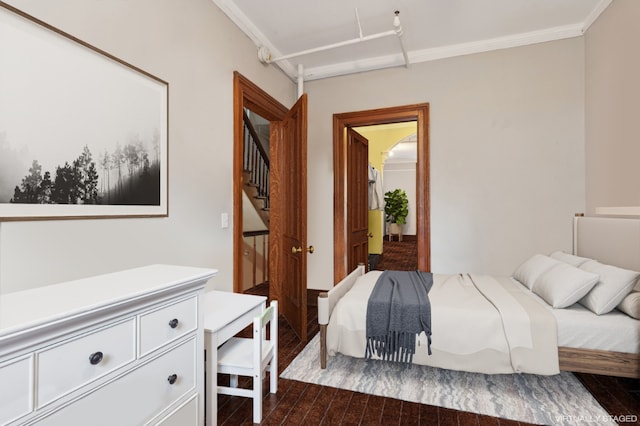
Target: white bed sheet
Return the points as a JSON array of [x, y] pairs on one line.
[[577, 327], [580, 328], [485, 343]]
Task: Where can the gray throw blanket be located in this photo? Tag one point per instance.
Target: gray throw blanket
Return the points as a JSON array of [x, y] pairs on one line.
[[398, 310]]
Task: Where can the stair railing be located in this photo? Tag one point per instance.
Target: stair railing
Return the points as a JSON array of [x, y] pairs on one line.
[[256, 160]]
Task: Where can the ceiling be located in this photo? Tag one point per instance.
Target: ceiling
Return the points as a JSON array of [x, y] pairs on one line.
[[431, 29], [404, 150]]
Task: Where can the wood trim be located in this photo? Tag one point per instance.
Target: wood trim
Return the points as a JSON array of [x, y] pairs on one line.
[[257, 100], [599, 362], [246, 94], [339, 199], [416, 112], [423, 202]]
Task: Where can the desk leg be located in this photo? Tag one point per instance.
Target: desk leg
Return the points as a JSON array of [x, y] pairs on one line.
[[211, 383]]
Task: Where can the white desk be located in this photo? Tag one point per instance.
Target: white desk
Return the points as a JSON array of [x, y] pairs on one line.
[[225, 314]]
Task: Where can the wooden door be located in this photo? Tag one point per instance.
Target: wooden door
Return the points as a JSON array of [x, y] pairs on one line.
[[288, 282], [357, 199]]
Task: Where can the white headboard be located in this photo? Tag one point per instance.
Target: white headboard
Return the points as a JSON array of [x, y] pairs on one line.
[[614, 241]]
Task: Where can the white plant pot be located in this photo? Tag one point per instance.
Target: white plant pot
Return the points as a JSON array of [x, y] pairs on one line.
[[395, 229]]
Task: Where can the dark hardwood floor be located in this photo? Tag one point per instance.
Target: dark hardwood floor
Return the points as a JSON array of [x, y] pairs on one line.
[[398, 255], [298, 403]]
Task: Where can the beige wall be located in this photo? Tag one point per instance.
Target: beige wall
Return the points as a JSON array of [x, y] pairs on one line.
[[507, 152], [507, 147], [612, 112], [192, 45]]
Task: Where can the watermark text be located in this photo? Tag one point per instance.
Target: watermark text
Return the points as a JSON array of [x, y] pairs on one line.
[[624, 418]]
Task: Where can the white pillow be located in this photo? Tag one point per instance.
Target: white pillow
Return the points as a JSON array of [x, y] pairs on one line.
[[563, 285], [529, 271], [614, 284], [630, 305], [571, 259]]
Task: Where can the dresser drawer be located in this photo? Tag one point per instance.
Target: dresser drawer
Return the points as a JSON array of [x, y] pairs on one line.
[[16, 389], [137, 397], [167, 323], [73, 363], [186, 414]]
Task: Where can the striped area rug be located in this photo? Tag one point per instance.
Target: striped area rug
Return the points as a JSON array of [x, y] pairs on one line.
[[545, 400]]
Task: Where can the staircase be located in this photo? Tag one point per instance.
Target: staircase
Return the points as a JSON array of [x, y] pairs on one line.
[[255, 176]]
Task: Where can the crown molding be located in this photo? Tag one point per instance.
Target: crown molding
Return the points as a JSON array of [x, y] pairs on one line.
[[595, 13], [416, 56], [432, 54], [516, 40], [241, 20]]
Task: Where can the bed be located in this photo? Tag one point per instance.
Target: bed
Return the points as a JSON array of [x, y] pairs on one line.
[[526, 323]]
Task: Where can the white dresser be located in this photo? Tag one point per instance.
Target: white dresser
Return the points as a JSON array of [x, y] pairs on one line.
[[123, 349]]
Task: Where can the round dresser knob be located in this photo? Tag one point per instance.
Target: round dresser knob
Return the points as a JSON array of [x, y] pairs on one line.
[[172, 379], [173, 323], [95, 358]]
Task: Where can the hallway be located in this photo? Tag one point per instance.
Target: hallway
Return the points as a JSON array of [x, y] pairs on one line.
[[398, 255]]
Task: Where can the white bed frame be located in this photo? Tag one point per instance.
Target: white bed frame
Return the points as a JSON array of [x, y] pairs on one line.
[[613, 241]]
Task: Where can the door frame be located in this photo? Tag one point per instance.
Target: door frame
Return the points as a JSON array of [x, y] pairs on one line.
[[399, 114], [246, 94]]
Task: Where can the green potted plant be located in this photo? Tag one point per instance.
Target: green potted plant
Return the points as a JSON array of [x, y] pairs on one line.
[[396, 209]]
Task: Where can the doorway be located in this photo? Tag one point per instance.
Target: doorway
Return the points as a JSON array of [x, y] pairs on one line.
[[287, 194], [246, 95], [341, 122], [393, 153]]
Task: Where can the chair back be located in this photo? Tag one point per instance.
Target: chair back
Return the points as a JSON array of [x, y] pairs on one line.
[[268, 317]]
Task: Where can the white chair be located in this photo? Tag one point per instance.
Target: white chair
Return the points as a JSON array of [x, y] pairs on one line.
[[252, 357]]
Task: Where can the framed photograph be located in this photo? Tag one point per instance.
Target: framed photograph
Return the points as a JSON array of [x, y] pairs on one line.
[[82, 133]]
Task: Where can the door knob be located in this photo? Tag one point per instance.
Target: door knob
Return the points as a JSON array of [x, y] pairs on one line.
[[370, 235], [294, 250]]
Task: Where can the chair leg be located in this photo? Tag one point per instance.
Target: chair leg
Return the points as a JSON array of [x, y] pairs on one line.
[[273, 376], [257, 399]]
